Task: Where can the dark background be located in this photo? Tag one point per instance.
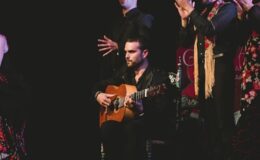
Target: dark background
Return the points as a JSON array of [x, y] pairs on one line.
[[54, 45]]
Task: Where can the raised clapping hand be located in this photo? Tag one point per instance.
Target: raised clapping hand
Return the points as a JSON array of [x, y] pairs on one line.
[[106, 45], [240, 10], [246, 4], [184, 7]]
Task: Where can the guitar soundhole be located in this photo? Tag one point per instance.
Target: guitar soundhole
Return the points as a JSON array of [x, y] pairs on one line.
[[115, 105], [111, 107]]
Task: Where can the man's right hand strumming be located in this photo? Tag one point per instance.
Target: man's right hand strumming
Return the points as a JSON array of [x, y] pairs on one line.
[[104, 99]]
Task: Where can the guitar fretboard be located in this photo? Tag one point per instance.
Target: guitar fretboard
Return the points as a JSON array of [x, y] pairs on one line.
[[140, 94]]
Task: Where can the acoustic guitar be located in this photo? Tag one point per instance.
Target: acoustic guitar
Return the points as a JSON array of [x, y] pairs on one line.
[[117, 111]]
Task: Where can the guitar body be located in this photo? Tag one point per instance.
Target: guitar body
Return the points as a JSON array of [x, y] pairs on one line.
[[113, 112]]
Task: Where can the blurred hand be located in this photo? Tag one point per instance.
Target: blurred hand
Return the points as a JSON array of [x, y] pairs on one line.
[[184, 7], [106, 45], [240, 10], [3, 47], [246, 4]]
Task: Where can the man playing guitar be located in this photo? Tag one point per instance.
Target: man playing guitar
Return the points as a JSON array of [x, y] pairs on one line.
[[134, 105]]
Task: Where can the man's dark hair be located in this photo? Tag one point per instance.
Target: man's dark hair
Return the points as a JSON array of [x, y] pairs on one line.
[[144, 43]]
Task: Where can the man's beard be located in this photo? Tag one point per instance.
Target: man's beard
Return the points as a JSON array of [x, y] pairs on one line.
[[134, 66]]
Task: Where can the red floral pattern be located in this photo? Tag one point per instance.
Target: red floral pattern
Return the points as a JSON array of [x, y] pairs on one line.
[[3, 78], [246, 140], [12, 146], [250, 73]]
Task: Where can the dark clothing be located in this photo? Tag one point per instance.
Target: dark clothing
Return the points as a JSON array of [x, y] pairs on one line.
[[159, 113], [221, 27], [134, 23], [251, 22], [14, 99], [254, 18], [123, 141], [217, 110], [246, 140], [252, 59], [249, 38]]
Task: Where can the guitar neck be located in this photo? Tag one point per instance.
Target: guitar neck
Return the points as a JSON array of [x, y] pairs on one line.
[[151, 91], [140, 94]]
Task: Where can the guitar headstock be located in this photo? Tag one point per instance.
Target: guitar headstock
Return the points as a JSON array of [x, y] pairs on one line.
[[155, 90]]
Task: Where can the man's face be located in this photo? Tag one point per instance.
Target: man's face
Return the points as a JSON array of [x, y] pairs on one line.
[[127, 3], [134, 56]]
